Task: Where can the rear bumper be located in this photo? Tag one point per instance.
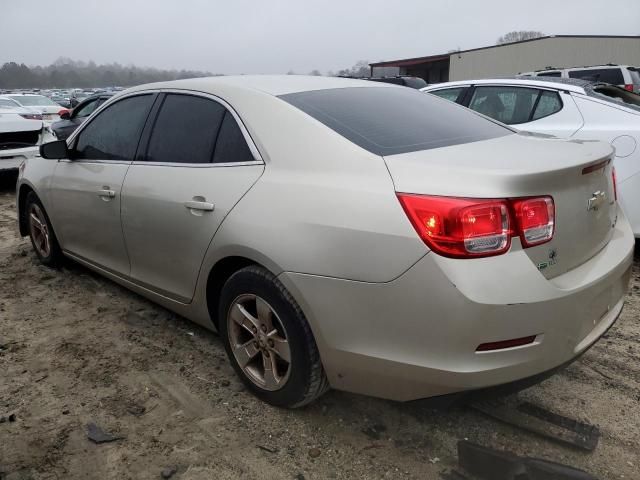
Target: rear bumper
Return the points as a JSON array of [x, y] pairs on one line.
[[416, 337]]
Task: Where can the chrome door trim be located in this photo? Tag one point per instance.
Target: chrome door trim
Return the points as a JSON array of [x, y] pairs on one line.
[[199, 165]]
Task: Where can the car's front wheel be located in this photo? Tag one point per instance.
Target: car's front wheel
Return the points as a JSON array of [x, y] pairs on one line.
[[268, 339], [43, 238]]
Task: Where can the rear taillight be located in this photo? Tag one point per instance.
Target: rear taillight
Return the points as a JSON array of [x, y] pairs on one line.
[[628, 87], [31, 116], [470, 228], [615, 183], [535, 219]]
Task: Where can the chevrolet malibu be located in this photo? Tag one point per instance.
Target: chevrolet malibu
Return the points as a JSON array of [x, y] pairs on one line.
[[341, 233]]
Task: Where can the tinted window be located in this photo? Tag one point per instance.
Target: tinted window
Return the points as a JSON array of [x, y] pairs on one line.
[[231, 145], [549, 74], [114, 133], [86, 109], [607, 75], [185, 130], [510, 105], [388, 121], [450, 94], [548, 104]]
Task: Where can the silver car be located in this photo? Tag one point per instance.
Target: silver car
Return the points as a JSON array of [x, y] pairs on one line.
[[341, 233]]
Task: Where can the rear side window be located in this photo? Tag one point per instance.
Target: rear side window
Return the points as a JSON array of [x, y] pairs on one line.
[[451, 94], [548, 104], [114, 133], [515, 105], [185, 130], [391, 120], [510, 105], [231, 146], [607, 75]]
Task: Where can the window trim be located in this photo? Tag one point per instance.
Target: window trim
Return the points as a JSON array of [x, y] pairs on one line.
[[145, 137], [472, 91]]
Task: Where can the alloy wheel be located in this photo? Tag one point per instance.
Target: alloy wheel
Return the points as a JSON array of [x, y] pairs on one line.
[[259, 342], [39, 230]]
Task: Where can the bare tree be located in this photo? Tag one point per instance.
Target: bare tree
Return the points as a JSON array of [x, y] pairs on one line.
[[315, 73], [518, 36], [360, 69]]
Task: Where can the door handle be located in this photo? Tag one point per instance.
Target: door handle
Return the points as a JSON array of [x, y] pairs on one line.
[[106, 193], [197, 205]]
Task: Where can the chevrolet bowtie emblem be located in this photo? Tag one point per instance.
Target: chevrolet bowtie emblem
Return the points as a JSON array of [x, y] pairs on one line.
[[597, 199]]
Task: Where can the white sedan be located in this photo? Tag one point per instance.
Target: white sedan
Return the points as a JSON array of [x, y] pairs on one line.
[[567, 108], [21, 132], [49, 109]]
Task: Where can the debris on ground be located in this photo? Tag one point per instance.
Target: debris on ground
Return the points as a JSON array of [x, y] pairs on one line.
[[490, 464], [168, 472], [538, 420], [98, 435]]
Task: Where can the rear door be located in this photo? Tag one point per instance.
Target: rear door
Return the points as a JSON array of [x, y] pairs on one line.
[[196, 166], [86, 190]]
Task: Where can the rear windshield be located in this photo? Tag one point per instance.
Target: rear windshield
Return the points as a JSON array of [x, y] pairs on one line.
[[607, 75], [389, 121], [635, 75], [615, 94]]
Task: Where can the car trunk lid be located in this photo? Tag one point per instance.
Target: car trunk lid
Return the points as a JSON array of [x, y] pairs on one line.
[[577, 174]]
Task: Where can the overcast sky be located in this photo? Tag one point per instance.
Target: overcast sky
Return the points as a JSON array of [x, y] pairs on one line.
[[275, 36]]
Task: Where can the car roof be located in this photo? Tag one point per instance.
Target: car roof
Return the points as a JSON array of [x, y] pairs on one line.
[[270, 84], [569, 84]]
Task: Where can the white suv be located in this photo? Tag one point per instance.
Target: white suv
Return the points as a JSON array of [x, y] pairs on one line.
[[623, 76]]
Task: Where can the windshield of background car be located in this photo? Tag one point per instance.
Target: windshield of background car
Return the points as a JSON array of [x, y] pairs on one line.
[[389, 121], [606, 75], [33, 100]]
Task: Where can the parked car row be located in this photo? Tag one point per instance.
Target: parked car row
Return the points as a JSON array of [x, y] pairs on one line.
[[573, 109], [349, 234]]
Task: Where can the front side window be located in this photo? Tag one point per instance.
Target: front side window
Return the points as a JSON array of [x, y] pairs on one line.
[[393, 120], [606, 75], [114, 133], [86, 109], [451, 94], [549, 74]]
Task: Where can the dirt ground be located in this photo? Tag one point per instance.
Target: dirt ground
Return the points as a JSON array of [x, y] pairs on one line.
[[76, 348]]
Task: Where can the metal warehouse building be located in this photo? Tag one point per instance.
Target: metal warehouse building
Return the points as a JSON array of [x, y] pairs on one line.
[[557, 51]]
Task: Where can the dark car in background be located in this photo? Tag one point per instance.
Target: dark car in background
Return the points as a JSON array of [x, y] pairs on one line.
[[71, 120], [411, 82]]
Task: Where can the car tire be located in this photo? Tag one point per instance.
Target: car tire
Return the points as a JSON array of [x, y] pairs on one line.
[[259, 322], [43, 238]]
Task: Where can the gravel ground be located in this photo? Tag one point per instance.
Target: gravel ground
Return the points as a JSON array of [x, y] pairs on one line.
[[76, 348]]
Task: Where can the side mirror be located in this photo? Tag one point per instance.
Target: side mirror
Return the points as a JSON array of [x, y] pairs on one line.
[[54, 150], [64, 114]]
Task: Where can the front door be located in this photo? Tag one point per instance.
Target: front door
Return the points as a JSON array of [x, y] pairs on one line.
[[86, 190], [197, 167]]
